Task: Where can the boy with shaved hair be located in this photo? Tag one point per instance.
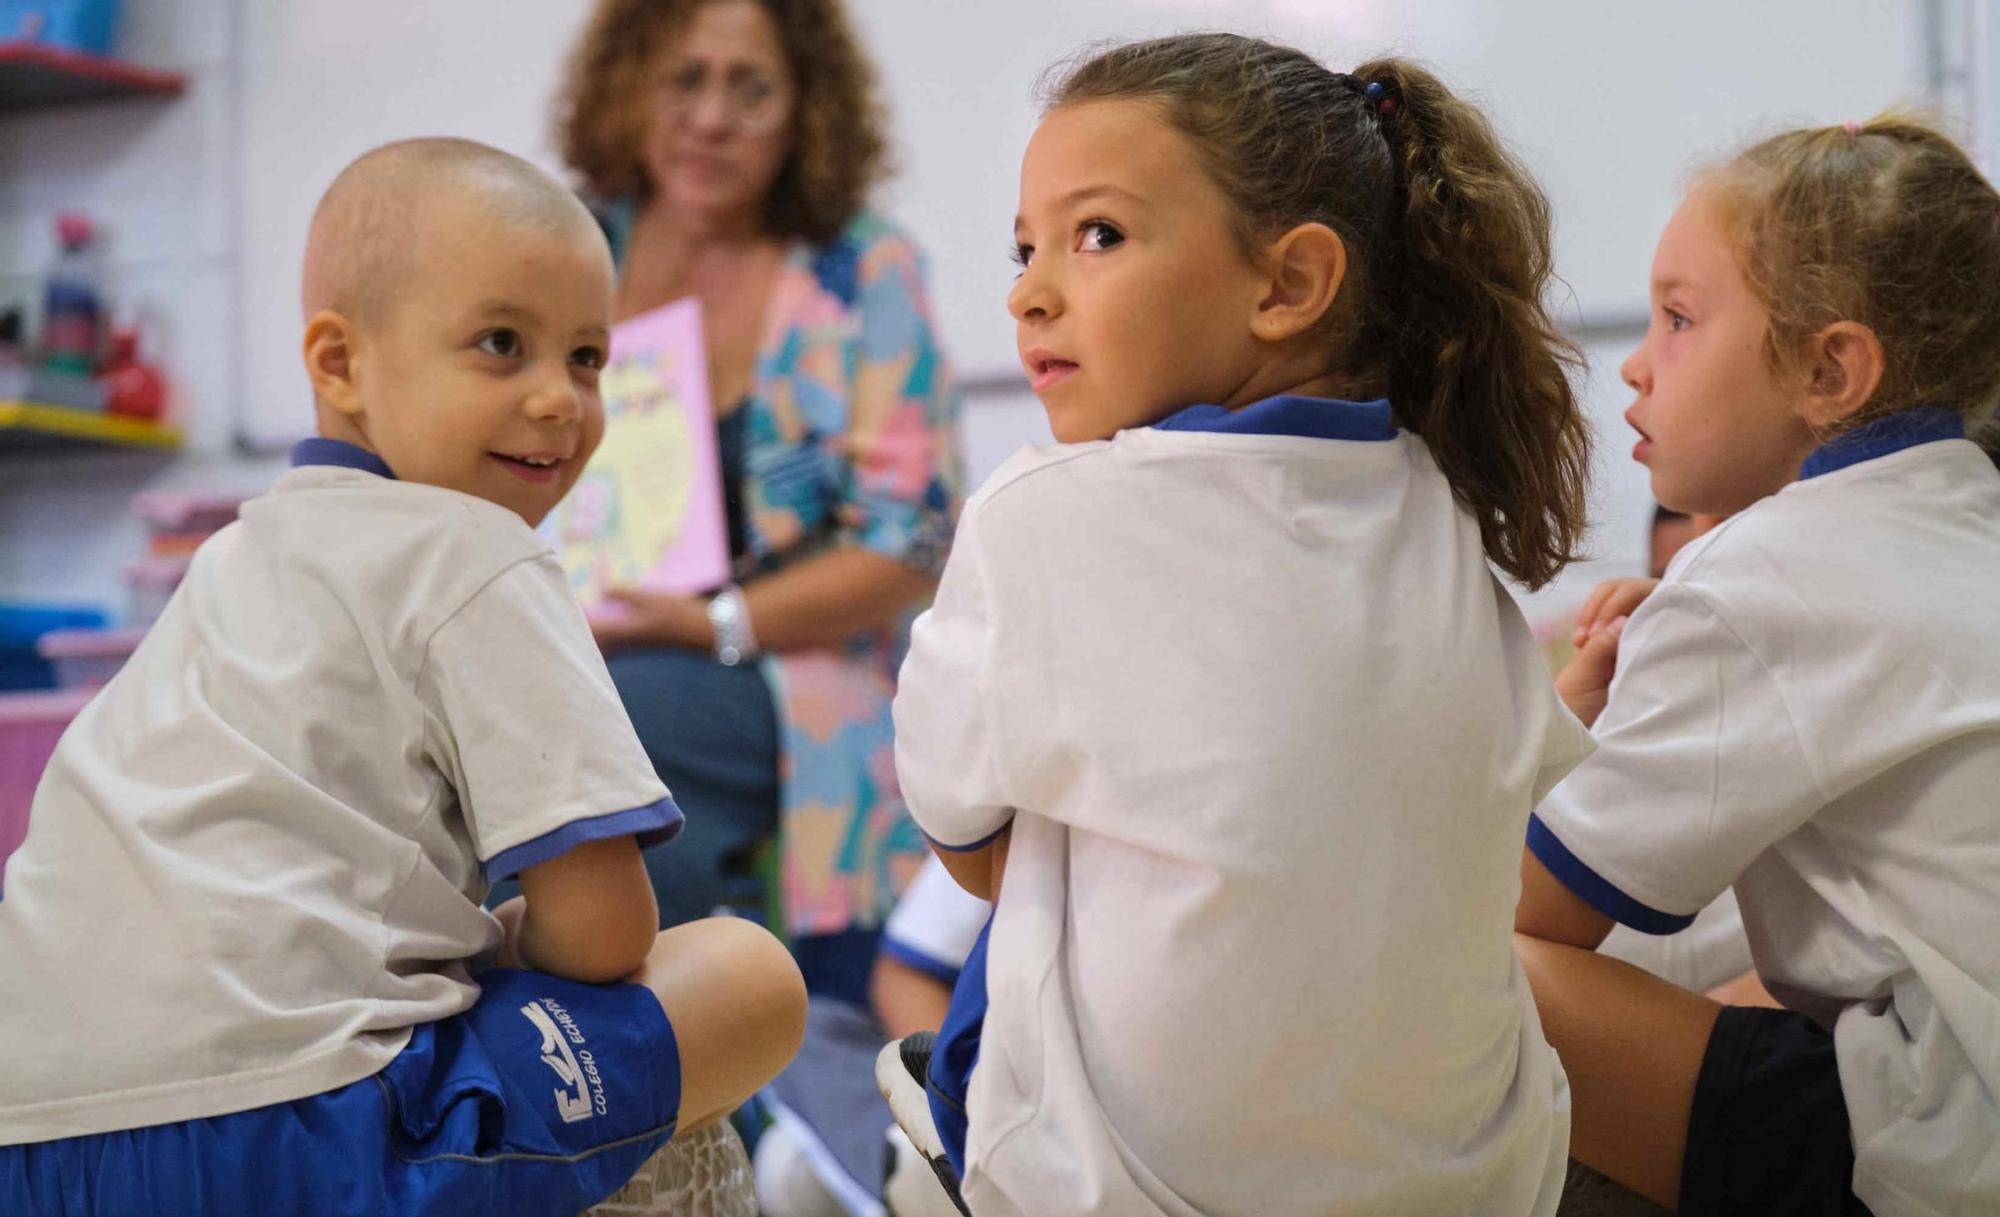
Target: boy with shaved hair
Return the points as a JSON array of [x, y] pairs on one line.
[[247, 967]]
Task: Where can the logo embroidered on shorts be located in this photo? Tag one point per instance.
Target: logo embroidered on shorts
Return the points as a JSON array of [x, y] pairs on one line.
[[581, 1093]]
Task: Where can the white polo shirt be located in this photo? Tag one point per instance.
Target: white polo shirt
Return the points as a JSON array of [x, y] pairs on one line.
[[935, 923], [1268, 733], [256, 859], [1809, 709]]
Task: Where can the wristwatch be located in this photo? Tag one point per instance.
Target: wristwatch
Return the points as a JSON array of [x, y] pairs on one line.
[[734, 641]]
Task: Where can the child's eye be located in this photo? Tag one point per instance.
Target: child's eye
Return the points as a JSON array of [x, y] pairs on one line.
[[1105, 237], [588, 357], [504, 343], [1676, 321], [1022, 254]]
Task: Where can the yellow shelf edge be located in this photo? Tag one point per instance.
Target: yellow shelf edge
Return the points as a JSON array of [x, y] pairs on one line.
[[87, 425]]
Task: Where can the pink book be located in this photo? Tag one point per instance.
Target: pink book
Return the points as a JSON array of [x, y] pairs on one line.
[[648, 509]]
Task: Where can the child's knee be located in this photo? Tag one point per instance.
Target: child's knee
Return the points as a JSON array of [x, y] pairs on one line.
[[733, 977], [738, 1009], [763, 974]]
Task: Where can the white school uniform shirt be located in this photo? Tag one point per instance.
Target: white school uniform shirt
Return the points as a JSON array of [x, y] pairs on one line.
[[935, 923], [256, 858], [1808, 708], [1267, 731]]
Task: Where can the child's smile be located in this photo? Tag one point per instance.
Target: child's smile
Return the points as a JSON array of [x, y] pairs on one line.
[[482, 376]]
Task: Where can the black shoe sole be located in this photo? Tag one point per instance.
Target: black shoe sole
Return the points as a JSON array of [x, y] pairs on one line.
[[915, 1053]]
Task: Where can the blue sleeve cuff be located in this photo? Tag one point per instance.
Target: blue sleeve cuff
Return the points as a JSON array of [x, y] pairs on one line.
[[652, 824], [928, 965], [1597, 891], [976, 846]]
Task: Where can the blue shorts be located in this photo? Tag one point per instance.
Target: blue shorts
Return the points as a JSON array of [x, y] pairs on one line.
[[956, 1053], [544, 1098]]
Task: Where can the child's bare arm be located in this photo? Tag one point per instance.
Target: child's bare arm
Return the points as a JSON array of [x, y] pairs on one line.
[[978, 870], [907, 999], [1550, 911], [589, 914]]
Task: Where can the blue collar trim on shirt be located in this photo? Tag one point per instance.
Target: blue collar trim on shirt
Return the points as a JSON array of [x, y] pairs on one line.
[[1291, 414], [322, 451], [1890, 433]]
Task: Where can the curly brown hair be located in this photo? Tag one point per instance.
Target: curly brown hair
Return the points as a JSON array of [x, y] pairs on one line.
[[1888, 223], [1449, 244], [839, 150]]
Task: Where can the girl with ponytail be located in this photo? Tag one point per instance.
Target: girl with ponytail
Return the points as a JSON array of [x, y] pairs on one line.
[[1223, 684], [1806, 709]]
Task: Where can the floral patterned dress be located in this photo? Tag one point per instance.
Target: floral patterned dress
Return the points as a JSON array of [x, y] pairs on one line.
[[851, 437]]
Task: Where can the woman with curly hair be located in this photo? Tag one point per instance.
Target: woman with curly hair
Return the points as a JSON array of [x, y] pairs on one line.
[[728, 147]]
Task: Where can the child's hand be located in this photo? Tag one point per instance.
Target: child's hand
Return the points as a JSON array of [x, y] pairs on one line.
[[508, 913], [1746, 990], [638, 616], [1608, 601], [1585, 682]]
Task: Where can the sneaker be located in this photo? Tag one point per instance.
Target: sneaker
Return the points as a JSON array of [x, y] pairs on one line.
[[909, 1187], [900, 1074]]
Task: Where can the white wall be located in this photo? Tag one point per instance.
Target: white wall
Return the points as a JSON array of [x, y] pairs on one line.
[[324, 82]]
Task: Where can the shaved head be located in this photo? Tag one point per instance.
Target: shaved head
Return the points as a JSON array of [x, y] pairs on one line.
[[369, 232]]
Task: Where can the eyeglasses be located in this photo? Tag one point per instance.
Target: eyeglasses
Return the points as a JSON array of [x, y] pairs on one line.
[[752, 102]]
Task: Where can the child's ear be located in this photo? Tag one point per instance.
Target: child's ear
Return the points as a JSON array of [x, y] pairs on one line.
[[330, 361], [1306, 266], [1846, 363]]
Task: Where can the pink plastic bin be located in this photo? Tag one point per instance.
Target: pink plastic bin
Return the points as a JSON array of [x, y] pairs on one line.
[[165, 511], [149, 584], [30, 725], [88, 659]]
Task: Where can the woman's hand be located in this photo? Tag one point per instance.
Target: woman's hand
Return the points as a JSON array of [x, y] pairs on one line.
[[638, 617]]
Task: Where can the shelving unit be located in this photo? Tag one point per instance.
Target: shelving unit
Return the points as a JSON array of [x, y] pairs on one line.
[[26, 427], [33, 75]]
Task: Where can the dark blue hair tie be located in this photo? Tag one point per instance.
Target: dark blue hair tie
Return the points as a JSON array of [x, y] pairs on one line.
[[1377, 94]]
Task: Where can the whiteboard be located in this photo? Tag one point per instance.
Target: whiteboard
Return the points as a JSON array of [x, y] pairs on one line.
[[1610, 103]]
